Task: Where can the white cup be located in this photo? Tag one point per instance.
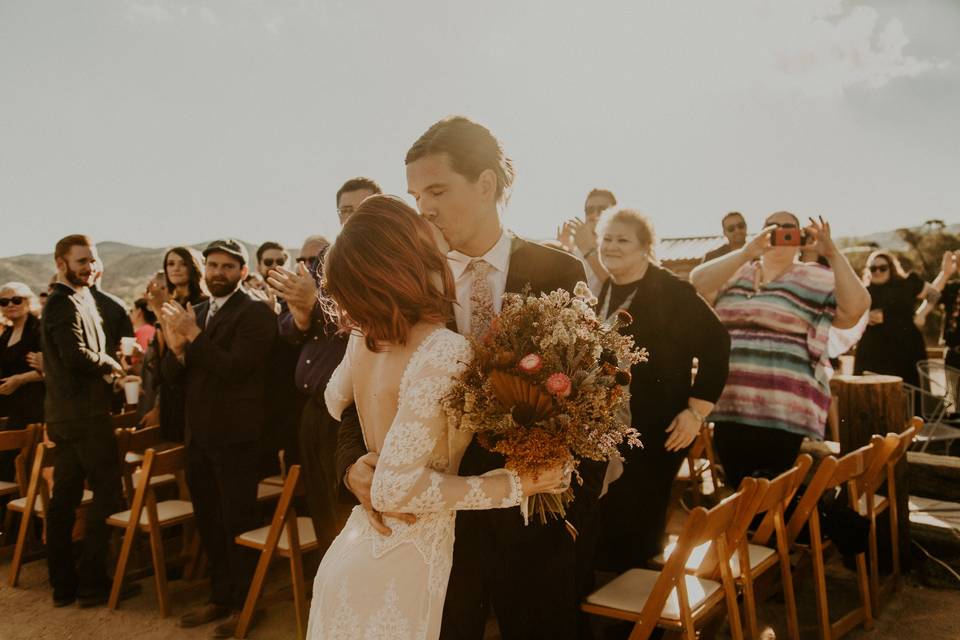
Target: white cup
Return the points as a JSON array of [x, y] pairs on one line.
[[127, 345], [131, 389]]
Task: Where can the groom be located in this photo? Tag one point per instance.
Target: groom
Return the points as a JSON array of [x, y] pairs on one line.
[[459, 175]]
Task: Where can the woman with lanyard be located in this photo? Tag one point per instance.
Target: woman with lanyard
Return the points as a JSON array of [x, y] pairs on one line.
[[667, 404]]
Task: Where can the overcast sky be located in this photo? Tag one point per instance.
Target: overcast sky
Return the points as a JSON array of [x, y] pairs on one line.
[[157, 123]]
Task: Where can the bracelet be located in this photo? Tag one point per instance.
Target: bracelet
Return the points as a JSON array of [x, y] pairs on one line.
[[697, 415]]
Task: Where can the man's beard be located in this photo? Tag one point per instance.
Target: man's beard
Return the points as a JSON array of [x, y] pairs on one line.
[[221, 288], [75, 279]]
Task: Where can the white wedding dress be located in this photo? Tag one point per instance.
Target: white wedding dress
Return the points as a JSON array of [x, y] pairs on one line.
[[371, 586]]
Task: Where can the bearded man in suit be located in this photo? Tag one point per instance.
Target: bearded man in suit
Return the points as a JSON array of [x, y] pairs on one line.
[[218, 351], [459, 175]]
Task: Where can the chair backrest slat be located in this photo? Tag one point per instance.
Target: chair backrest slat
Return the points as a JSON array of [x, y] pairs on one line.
[[167, 461]]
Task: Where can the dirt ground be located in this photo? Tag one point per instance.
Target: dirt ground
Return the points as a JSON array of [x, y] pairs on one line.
[[26, 612]]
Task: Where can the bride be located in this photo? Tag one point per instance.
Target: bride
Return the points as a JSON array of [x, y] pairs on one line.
[[390, 284]]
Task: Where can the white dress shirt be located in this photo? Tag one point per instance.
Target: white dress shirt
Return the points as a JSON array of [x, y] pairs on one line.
[[499, 258]]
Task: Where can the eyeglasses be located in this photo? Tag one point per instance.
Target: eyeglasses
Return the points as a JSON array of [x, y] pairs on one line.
[[737, 226], [269, 262], [879, 268], [15, 301]]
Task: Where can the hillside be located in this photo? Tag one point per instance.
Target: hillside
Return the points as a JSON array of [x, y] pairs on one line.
[[126, 267]]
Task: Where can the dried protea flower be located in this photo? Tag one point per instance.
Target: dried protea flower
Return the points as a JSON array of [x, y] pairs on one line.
[[559, 385], [530, 363]]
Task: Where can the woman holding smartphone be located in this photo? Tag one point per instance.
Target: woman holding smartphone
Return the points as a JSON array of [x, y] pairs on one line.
[[778, 311]]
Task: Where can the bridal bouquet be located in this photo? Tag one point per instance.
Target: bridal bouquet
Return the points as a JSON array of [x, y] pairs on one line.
[[545, 386]]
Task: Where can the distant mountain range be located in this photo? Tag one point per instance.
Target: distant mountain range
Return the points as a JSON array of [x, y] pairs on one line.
[[127, 267]]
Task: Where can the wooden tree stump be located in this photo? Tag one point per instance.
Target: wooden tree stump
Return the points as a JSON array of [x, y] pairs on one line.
[[876, 404]]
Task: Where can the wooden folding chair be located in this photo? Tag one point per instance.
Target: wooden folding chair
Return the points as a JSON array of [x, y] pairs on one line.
[[23, 441], [148, 515], [124, 420], [131, 446], [670, 598], [288, 536], [756, 555], [700, 461], [871, 504], [28, 507], [831, 474]]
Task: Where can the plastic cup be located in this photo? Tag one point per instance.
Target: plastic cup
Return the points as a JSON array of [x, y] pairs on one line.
[[131, 389], [127, 346]]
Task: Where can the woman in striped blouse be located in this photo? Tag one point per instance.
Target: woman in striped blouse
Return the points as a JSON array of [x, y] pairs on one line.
[[778, 311]]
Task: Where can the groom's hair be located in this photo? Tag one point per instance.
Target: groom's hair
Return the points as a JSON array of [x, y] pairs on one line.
[[384, 273], [472, 149]]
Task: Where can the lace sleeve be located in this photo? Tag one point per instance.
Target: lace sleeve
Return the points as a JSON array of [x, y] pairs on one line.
[[409, 475], [339, 392]]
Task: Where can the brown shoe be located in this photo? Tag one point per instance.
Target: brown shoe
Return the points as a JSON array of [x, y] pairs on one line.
[[203, 615], [227, 628]]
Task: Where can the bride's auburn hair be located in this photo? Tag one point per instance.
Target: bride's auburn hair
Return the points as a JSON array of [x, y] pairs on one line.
[[385, 274]]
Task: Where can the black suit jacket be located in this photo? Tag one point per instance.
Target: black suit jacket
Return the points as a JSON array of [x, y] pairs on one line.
[[543, 269], [116, 319], [74, 358], [224, 370]]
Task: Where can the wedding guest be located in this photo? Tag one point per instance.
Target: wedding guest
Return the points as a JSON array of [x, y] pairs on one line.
[[352, 193], [116, 317], [734, 230], [892, 343], [667, 406], [144, 323], [779, 312], [21, 386], [182, 282], [304, 324], [270, 255], [459, 175], [217, 351], [950, 303], [579, 235], [184, 275], [78, 371]]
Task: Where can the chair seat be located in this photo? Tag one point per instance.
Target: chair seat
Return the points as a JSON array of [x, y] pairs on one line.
[[879, 504], [937, 432], [274, 480], [759, 555], [20, 504], [155, 481], [629, 591], [268, 491], [6, 488], [169, 512], [258, 537]]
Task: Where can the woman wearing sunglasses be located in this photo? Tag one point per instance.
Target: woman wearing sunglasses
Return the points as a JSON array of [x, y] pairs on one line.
[[21, 386], [892, 343], [779, 312]]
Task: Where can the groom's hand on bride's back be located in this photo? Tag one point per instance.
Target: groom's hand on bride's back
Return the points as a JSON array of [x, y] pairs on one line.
[[359, 479]]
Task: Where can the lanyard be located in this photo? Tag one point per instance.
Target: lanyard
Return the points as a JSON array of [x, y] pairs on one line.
[[604, 310]]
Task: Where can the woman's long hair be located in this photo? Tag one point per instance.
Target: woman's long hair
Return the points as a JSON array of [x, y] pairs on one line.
[[194, 262], [385, 273]]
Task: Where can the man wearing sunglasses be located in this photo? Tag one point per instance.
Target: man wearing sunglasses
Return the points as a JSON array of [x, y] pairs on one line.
[[735, 231], [305, 324], [271, 255]]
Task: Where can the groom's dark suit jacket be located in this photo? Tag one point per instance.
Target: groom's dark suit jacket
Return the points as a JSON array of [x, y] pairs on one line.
[[527, 572]]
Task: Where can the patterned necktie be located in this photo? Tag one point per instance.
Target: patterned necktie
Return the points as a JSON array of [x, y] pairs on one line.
[[214, 307], [481, 298]]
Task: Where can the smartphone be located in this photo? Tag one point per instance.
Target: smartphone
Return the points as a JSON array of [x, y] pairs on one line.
[[786, 237]]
